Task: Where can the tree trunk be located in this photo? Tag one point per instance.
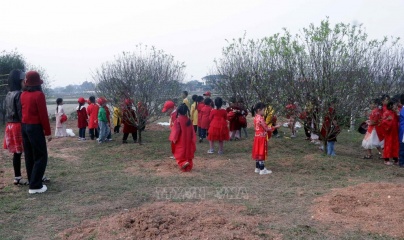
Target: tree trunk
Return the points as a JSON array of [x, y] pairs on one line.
[[352, 122]]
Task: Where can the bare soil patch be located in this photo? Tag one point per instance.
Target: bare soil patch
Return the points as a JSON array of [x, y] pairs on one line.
[[169, 220], [371, 207], [169, 167]]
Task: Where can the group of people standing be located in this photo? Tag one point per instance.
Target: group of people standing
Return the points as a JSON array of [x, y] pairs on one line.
[[384, 129], [97, 117], [210, 120]]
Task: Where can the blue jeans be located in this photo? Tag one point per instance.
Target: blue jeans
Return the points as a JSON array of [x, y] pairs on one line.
[[36, 154], [401, 154], [330, 148], [103, 130], [82, 132]]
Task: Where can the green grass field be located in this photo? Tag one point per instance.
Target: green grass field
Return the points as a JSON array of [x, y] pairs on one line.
[[90, 181]]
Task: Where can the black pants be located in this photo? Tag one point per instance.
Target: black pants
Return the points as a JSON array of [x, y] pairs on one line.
[[196, 128], [307, 130], [126, 135], [17, 164], [93, 133], [36, 154], [116, 129], [82, 132]]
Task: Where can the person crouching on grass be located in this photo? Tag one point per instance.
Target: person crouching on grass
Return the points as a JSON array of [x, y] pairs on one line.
[[260, 145], [82, 118], [184, 138], [169, 108]]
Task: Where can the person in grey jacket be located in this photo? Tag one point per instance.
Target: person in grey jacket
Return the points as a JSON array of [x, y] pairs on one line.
[[13, 135]]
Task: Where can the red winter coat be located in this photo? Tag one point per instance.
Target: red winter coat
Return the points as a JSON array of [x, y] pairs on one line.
[[205, 120], [390, 126], [199, 108], [81, 117], [92, 112], [129, 121], [184, 137], [33, 108]]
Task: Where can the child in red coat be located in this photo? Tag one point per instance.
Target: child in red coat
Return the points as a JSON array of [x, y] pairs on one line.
[[199, 107], [81, 119], [218, 130], [390, 126], [129, 122], [183, 137], [205, 121], [169, 108], [260, 145], [92, 112]]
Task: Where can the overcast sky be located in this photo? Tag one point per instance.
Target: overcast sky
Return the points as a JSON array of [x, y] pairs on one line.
[[69, 39]]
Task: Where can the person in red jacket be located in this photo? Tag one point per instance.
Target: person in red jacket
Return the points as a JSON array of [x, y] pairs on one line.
[[218, 130], [35, 126], [129, 122], [169, 108], [390, 126], [205, 113], [92, 112], [183, 137], [81, 119]]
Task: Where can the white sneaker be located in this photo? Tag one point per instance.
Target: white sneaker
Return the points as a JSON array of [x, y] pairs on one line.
[[293, 136], [257, 170], [210, 151], [42, 190], [265, 171]]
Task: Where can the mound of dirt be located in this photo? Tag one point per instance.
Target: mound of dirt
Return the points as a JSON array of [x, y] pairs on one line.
[[370, 207], [168, 220]]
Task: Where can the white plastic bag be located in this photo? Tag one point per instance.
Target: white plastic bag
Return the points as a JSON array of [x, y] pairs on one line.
[[70, 132]]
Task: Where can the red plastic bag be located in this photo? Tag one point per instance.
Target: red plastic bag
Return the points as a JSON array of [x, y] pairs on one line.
[[63, 118]]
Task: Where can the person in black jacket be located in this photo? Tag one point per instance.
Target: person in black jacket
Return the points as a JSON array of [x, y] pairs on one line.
[[13, 136]]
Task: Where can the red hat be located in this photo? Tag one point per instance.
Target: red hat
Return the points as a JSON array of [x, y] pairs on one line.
[[32, 79], [101, 100], [81, 100], [207, 94], [128, 101], [168, 105]]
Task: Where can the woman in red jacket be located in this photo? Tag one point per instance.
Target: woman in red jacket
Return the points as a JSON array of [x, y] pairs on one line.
[[92, 112], [35, 126], [183, 137], [82, 119], [205, 113], [390, 126]]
